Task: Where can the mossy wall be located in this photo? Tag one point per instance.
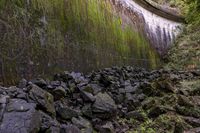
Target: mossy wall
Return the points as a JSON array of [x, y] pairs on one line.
[[41, 37]]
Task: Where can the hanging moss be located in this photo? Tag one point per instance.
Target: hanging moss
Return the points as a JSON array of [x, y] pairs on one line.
[[41, 36]]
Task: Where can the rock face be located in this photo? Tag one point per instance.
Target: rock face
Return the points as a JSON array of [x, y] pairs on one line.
[[110, 100]]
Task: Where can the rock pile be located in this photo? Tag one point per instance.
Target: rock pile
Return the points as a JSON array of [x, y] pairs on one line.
[[118, 99]]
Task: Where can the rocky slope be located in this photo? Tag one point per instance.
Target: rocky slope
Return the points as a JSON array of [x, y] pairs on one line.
[[118, 99], [185, 54]]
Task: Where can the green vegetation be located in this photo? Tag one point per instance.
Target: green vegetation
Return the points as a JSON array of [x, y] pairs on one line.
[[40, 37], [193, 14], [186, 53]]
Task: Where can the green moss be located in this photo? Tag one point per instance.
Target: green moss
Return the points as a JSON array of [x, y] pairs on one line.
[[49, 36]]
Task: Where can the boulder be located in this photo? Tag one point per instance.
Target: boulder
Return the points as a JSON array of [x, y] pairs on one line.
[[70, 129], [87, 97], [87, 111], [194, 130], [195, 122], [104, 104], [107, 128], [185, 101], [59, 92], [39, 82], [179, 128], [83, 124], [49, 125], [43, 99], [156, 111], [188, 111], [20, 117], [135, 115], [22, 83], [66, 112]]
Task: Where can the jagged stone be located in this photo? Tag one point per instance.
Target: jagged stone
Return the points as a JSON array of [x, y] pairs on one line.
[[66, 112], [20, 117], [22, 83], [188, 111], [156, 111], [70, 129], [39, 82], [107, 128], [49, 125], [194, 130], [104, 104], [87, 110], [83, 124], [42, 98], [135, 115], [87, 97], [59, 92], [111, 100], [195, 122]]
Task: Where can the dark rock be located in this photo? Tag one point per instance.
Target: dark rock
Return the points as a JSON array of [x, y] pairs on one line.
[[132, 101], [119, 98], [49, 125], [148, 90], [164, 86], [185, 101], [195, 92], [192, 121], [194, 130], [130, 89], [141, 96], [59, 93], [87, 111], [43, 99], [55, 84], [70, 129], [96, 88], [13, 91], [188, 111], [107, 128], [22, 95], [179, 128], [88, 97], [136, 115], [66, 113], [149, 103], [156, 111], [4, 99], [20, 117], [82, 124], [121, 90], [3, 102], [109, 100], [105, 80], [22, 83], [104, 104], [183, 92], [39, 82], [91, 88], [195, 100], [196, 73], [78, 77]]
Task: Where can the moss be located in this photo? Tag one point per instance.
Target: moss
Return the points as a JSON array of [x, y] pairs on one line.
[[189, 111], [41, 37], [164, 123]]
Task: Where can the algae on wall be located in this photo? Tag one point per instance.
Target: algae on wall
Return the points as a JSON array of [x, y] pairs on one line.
[[41, 37]]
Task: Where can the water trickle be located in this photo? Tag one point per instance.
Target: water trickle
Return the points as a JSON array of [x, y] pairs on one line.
[[160, 31]]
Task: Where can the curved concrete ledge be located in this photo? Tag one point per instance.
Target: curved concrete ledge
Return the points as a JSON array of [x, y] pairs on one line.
[[160, 12]]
